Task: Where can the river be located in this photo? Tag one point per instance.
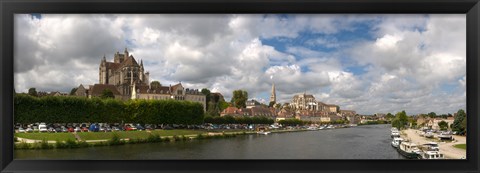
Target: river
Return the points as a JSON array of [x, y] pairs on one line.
[[362, 142]]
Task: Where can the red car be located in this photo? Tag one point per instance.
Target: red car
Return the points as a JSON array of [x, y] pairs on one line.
[[128, 128], [84, 129], [71, 129]]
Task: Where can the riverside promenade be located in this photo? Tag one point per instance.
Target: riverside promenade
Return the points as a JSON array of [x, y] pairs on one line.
[[447, 148]]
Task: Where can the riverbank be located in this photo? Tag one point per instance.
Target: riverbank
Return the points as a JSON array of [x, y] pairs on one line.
[[447, 148], [134, 137]]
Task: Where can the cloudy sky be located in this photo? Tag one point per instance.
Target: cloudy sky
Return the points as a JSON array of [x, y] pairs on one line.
[[368, 63]]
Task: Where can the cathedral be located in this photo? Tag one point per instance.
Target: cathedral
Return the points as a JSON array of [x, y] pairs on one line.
[[128, 80], [123, 73]]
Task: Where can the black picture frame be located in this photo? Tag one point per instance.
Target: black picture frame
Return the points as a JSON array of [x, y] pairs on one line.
[[9, 7]]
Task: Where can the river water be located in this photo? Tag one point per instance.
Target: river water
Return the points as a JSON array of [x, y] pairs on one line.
[[363, 142]]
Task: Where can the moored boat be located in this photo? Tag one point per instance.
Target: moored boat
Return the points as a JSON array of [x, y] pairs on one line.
[[395, 134], [263, 133], [409, 150], [396, 142], [445, 136], [429, 135], [432, 155]]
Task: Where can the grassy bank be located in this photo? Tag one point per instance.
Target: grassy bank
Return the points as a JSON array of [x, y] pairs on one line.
[[116, 139], [46, 136], [461, 146]]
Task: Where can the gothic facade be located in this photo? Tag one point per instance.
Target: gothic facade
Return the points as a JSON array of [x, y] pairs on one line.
[[123, 73], [128, 80]]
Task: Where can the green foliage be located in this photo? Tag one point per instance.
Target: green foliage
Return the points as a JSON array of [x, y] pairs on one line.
[[389, 116], [107, 93], [61, 109], [115, 140], [223, 105], [443, 125], [32, 92], [432, 114], [401, 120], [239, 98], [155, 84], [460, 123], [271, 104]]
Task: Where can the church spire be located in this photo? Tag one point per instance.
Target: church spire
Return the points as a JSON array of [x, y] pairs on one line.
[[273, 95]]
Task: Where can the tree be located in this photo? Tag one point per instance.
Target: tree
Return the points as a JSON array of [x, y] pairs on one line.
[[72, 92], [443, 125], [271, 104], [155, 84], [32, 92], [460, 123], [107, 93], [401, 120], [389, 116], [207, 93], [222, 105], [239, 98], [432, 114]]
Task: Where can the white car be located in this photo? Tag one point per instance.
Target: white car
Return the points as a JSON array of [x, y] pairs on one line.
[[21, 130], [29, 130], [43, 129]]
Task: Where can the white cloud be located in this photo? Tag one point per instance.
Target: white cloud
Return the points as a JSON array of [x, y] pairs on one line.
[[406, 59]]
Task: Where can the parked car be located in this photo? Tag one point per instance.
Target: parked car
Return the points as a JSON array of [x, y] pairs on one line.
[[71, 129], [43, 129], [78, 129], [128, 128], [167, 128], [21, 130], [115, 128], [108, 129], [139, 127], [84, 129], [51, 130], [29, 130], [101, 129], [58, 129]]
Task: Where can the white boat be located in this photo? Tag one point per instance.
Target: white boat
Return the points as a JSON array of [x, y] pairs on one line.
[[322, 127], [445, 136], [396, 142], [263, 133], [430, 146], [429, 135], [432, 155], [330, 127], [395, 134], [409, 150], [312, 128]]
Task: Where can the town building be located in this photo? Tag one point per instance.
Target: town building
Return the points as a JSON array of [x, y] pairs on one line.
[[304, 102], [127, 79]]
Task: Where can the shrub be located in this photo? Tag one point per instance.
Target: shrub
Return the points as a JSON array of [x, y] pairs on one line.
[[115, 140], [70, 143]]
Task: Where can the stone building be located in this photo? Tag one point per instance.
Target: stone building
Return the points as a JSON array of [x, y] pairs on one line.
[[123, 73], [128, 80], [304, 102]]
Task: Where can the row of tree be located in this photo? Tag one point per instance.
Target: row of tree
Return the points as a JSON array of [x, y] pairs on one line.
[[60, 109], [402, 121]]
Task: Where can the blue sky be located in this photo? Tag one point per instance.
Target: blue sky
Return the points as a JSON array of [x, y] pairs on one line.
[[368, 63]]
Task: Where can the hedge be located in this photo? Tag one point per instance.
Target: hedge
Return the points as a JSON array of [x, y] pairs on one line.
[[68, 109]]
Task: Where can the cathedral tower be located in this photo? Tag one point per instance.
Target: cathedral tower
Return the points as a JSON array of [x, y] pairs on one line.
[[273, 96]]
